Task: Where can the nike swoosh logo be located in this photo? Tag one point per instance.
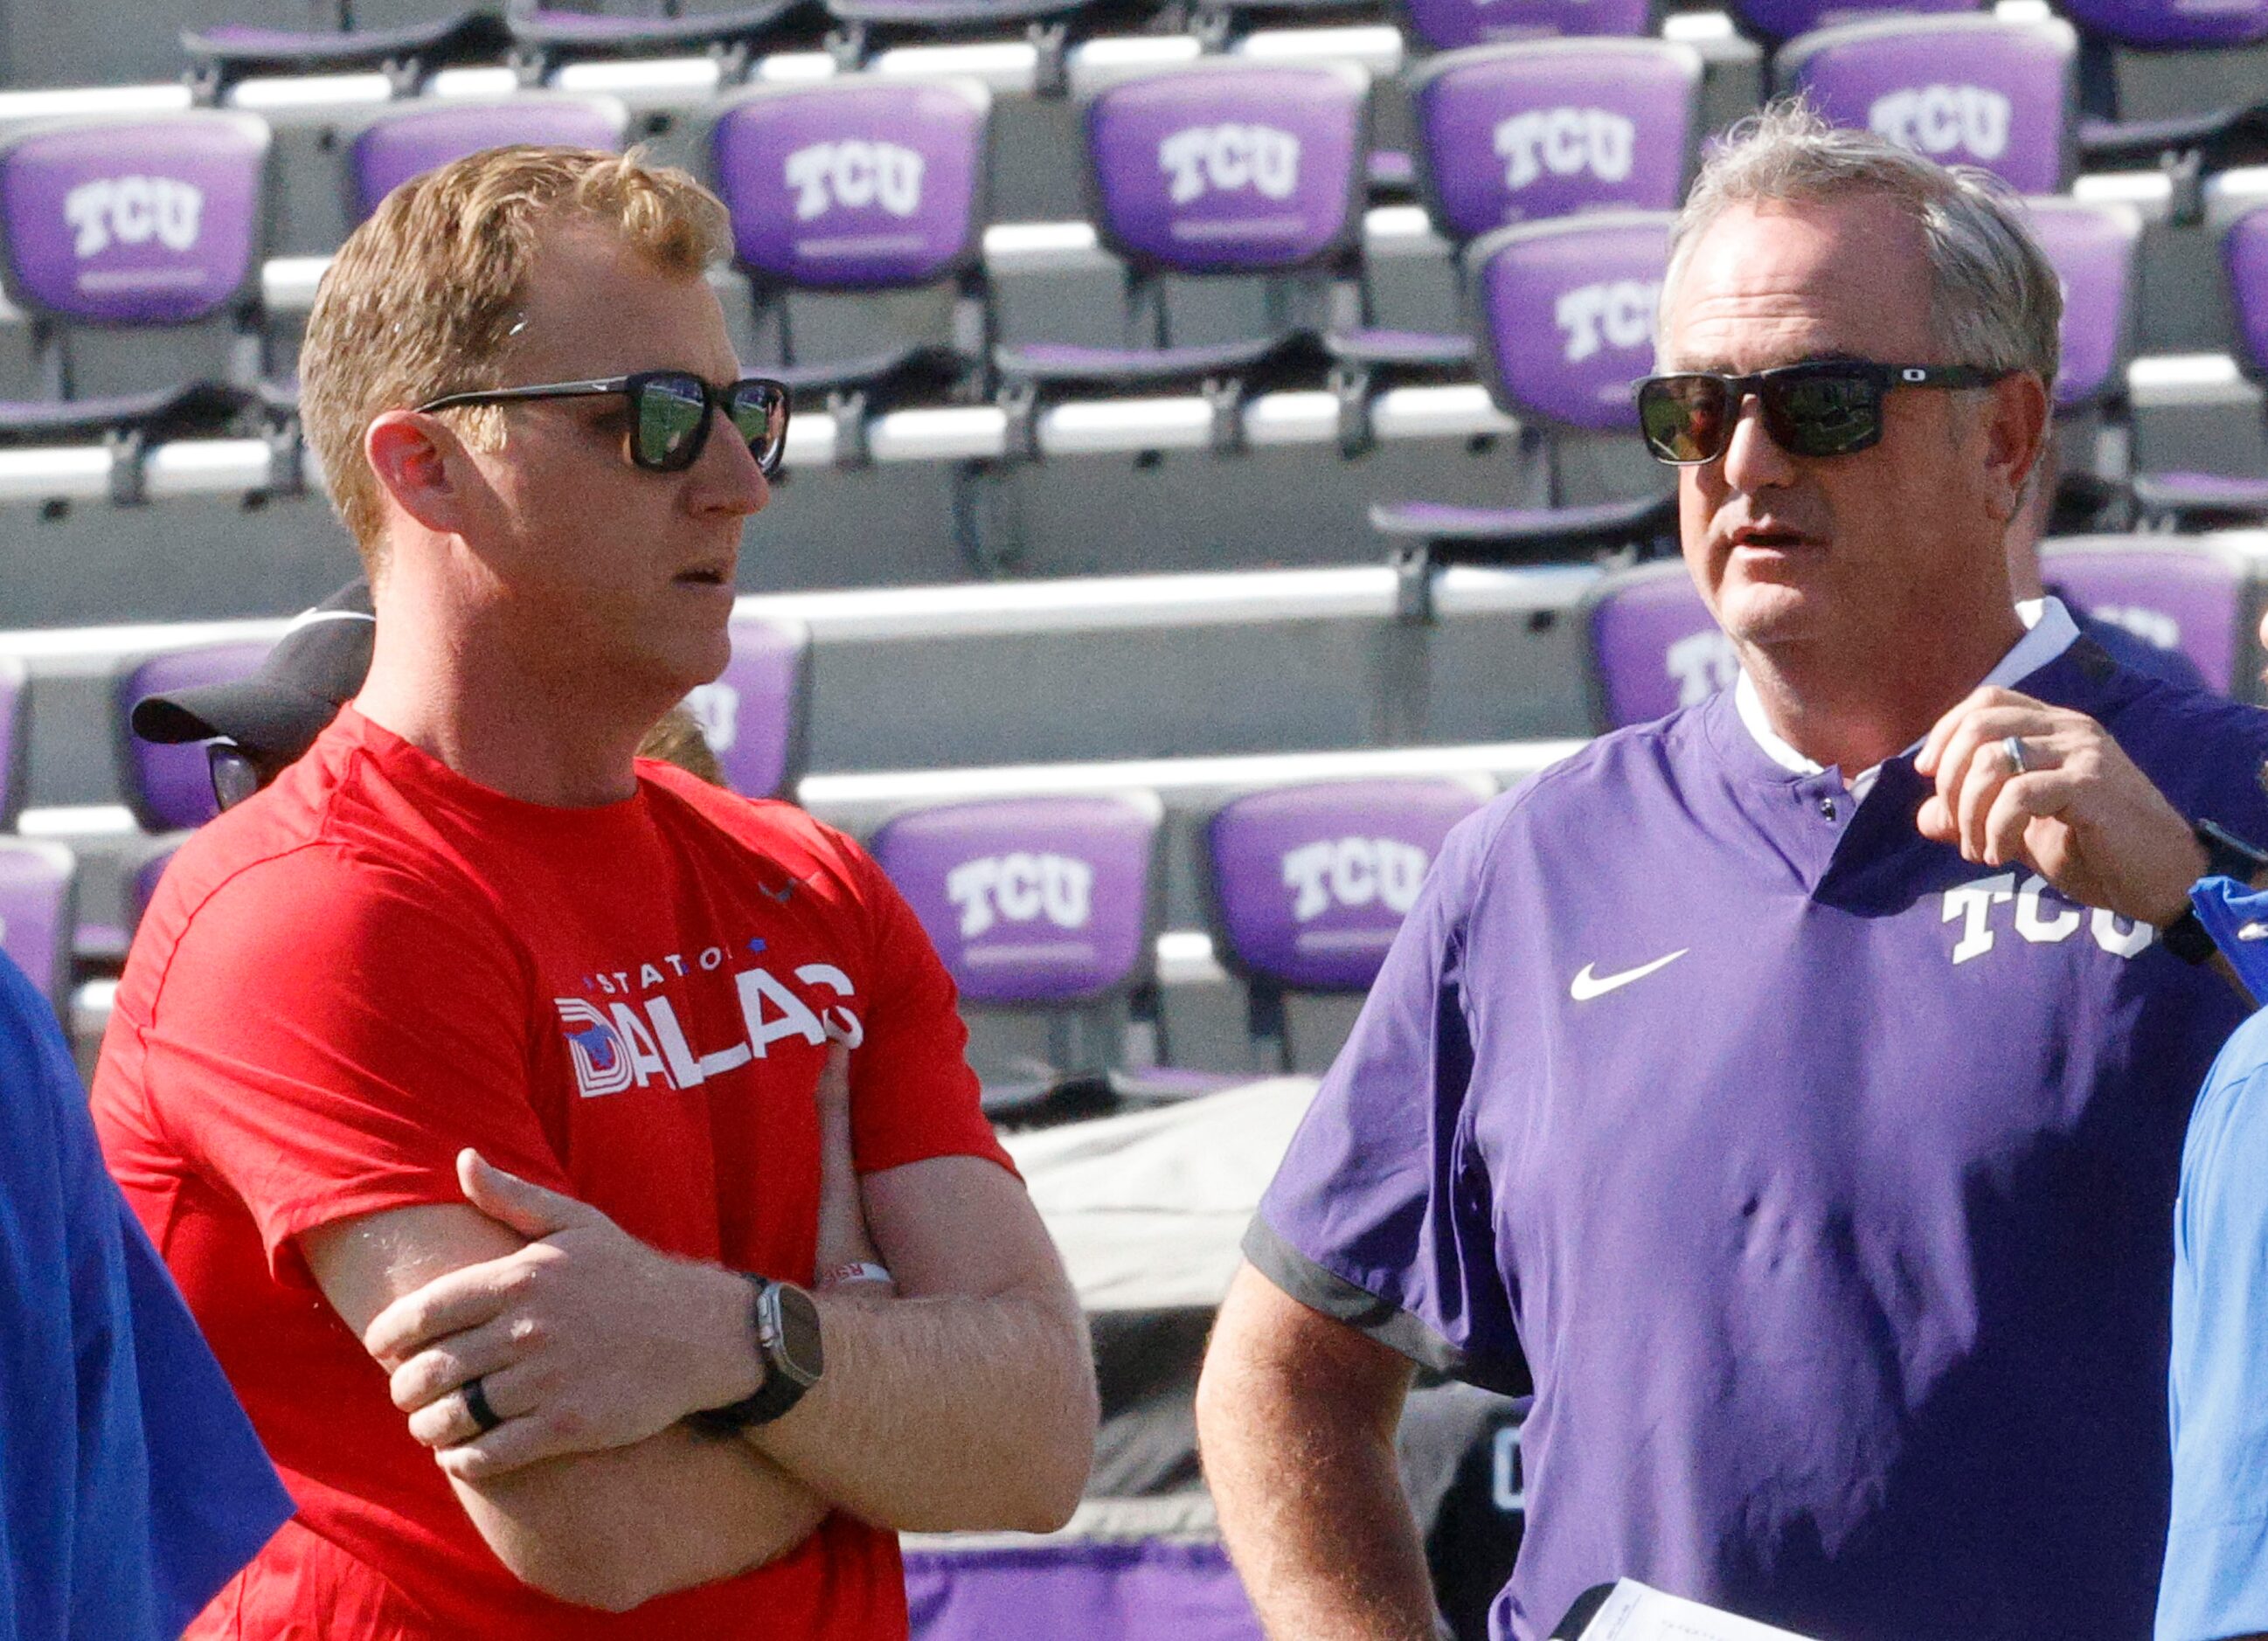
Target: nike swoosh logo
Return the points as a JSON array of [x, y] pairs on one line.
[[1586, 985], [782, 892]]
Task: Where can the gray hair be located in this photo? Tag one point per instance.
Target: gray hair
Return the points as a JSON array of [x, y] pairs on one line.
[[1996, 301]]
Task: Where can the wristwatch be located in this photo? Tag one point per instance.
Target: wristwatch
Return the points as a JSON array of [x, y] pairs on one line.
[[2226, 855], [786, 1324]]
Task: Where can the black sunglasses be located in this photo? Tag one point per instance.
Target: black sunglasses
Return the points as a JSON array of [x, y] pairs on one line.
[[668, 412], [1823, 408], [235, 776]]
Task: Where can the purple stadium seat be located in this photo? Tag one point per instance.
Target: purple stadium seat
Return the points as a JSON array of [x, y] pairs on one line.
[[408, 142], [544, 37], [157, 220], [1096, 1590], [408, 55], [1032, 901], [15, 725], [1652, 646], [2093, 248], [1964, 90], [142, 881], [37, 885], [2208, 497], [858, 184], [755, 715], [2170, 25], [1773, 21], [1446, 25], [1565, 315], [2182, 595], [169, 788], [1222, 167], [1308, 884]]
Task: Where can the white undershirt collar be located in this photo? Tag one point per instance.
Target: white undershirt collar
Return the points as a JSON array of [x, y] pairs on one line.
[[2049, 631]]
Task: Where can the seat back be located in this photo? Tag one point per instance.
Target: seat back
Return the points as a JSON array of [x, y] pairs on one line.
[[2093, 247], [857, 183], [15, 725], [1652, 646], [2169, 25], [1446, 25], [154, 220], [1972, 91], [756, 716], [1309, 884], [2244, 253], [1226, 167], [169, 788], [1517, 133], [37, 883], [2178, 593], [1033, 902], [408, 142], [1774, 20], [1565, 312]]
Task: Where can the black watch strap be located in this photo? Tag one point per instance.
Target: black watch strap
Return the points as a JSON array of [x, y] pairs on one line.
[[2186, 937], [785, 1378]]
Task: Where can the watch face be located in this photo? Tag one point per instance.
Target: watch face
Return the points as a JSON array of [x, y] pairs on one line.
[[796, 1343]]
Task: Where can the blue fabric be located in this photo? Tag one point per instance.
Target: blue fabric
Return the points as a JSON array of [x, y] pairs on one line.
[[2216, 1576], [2236, 917], [131, 1485], [1822, 1180]]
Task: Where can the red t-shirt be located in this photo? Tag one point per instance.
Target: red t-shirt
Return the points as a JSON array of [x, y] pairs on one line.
[[376, 962]]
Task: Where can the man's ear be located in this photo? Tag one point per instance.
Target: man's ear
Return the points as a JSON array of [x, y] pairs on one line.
[[422, 465], [2016, 430]]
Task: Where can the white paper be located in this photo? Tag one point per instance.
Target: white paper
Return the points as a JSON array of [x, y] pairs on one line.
[[1634, 1612]]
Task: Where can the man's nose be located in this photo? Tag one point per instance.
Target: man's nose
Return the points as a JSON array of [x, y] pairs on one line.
[[1754, 460], [728, 477]]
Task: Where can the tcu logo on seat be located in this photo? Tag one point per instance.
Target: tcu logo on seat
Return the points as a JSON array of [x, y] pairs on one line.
[[1939, 118], [1700, 665], [1566, 142], [2152, 626], [854, 173], [716, 709], [1022, 886], [133, 211], [1617, 311], [1353, 872], [1227, 157]]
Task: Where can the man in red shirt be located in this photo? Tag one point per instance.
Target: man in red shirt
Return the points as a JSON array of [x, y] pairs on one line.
[[466, 1076]]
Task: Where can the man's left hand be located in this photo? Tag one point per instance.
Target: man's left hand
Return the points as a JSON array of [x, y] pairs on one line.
[[584, 1339], [2078, 811]]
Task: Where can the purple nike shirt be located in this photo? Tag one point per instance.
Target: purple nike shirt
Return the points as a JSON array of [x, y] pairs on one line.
[[1821, 1182]]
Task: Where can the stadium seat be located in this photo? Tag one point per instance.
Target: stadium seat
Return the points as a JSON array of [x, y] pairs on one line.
[[169, 788], [405, 143], [1447, 24], [864, 27], [2205, 498], [2093, 248], [1097, 1589], [38, 890], [1308, 885], [1651, 646], [546, 38], [2225, 125], [1039, 904], [15, 726], [1521, 133], [2181, 594], [755, 715], [1964, 90], [860, 185], [1221, 168], [1775, 22], [142, 878], [409, 55], [153, 222], [1564, 321]]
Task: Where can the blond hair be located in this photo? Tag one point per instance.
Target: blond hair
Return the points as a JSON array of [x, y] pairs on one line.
[[676, 737], [423, 299]]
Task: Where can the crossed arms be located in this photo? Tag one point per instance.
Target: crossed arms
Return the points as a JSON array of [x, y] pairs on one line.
[[594, 1347]]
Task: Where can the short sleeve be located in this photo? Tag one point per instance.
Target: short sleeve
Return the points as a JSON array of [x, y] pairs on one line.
[[912, 1093], [1381, 1212], [319, 1068], [2215, 1583]]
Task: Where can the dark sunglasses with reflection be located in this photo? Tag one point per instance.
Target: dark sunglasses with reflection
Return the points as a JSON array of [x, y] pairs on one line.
[[1820, 407], [670, 412]]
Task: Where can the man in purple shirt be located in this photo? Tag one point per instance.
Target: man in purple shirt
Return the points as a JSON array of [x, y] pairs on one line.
[[1741, 1084]]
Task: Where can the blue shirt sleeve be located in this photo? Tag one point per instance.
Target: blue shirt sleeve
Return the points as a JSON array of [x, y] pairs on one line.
[[2215, 1583], [1380, 1213], [132, 1485]]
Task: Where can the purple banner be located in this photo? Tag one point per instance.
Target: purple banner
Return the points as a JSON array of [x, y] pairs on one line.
[[135, 222]]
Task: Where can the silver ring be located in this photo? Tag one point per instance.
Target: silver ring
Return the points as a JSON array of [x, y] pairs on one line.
[[485, 1418], [2014, 745]]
